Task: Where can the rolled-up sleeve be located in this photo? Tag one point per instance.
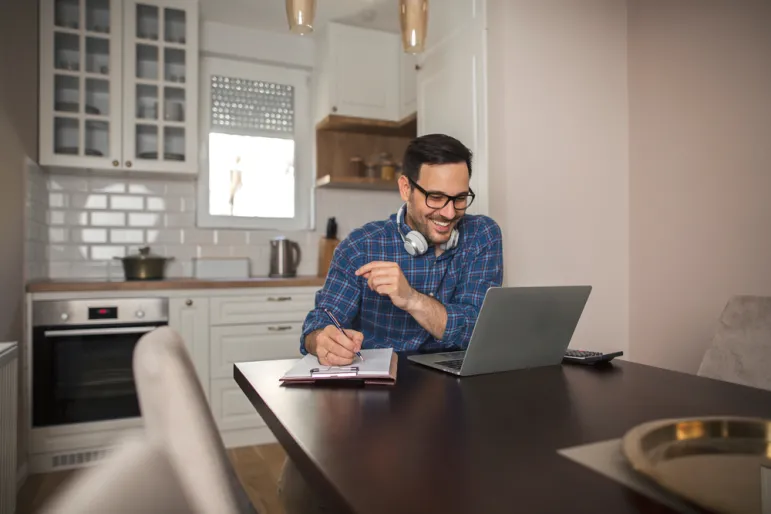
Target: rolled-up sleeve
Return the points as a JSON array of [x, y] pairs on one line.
[[483, 271], [340, 294]]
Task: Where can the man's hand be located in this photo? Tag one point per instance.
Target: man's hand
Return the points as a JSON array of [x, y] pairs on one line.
[[387, 279], [332, 347]]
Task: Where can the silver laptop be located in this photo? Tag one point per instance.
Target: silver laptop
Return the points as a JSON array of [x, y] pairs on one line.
[[517, 327]]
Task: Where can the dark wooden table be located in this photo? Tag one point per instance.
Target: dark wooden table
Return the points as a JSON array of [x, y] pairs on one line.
[[437, 443]]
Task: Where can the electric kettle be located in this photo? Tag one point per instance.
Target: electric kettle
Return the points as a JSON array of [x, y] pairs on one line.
[[284, 257]]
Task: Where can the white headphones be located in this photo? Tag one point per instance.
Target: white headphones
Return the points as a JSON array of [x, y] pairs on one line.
[[415, 243]]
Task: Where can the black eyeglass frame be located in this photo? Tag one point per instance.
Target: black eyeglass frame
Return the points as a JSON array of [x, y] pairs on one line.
[[469, 197]]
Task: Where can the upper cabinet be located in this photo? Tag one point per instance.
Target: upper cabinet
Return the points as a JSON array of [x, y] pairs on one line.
[[361, 73], [119, 84]]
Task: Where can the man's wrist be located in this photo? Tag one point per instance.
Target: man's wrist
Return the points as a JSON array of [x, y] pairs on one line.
[[415, 301], [310, 342]]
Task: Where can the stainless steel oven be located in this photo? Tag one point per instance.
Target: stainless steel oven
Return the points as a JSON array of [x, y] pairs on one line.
[[82, 353]]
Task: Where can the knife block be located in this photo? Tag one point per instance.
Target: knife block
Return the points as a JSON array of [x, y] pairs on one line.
[[326, 252]]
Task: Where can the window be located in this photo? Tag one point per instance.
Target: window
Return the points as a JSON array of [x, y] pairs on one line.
[[255, 147]]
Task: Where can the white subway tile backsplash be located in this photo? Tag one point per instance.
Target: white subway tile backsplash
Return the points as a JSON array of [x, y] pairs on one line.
[[106, 185], [93, 219], [180, 189], [198, 236], [147, 188], [179, 252], [89, 235], [127, 236], [167, 204], [67, 252], [89, 201], [136, 219], [58, 235], [108, 219], [232, 237], [187, 204], [181, 220], [127, 203], [164, 236], [107, 252], [60, 270], [69, 218], [57, 200], [91, 269], [67, 183]]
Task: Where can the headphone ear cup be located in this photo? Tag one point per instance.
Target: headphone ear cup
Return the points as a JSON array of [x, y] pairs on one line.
[[415, 243], [452, 242]]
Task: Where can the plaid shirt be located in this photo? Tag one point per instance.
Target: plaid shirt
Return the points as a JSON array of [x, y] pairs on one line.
[[459, 279]]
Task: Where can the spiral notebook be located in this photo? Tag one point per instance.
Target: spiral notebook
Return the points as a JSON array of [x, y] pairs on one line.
[[377, 367]]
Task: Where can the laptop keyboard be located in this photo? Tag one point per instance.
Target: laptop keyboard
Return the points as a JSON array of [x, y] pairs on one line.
[[454, 364]]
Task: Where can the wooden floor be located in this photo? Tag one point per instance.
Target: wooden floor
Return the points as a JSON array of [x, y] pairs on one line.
[[258, 468]]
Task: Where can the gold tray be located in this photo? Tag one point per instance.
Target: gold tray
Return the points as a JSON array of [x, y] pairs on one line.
[[713, 462]]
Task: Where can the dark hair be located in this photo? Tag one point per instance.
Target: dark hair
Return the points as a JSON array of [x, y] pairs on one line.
[[433, 149]]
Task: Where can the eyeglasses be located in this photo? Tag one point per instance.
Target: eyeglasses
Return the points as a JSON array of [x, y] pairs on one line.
[[436, 200]]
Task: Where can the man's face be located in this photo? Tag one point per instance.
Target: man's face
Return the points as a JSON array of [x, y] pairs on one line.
[[435, 224]]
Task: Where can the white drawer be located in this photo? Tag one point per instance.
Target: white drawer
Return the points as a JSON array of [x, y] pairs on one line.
[[230, 406], [240, 343], [261, 308]]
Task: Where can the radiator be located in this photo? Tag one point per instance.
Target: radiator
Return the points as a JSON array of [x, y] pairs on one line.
[[8, 397]]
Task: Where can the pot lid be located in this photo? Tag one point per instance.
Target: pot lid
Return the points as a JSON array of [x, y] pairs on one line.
[[144, 254]]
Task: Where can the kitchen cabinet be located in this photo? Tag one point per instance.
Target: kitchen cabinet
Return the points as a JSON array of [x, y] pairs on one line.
[[358, 73], [189, 316], [118, 84]]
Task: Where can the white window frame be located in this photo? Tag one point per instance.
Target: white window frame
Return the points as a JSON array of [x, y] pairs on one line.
[[303, 163]]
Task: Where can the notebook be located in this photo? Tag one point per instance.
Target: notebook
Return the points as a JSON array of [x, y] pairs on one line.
[[377, 367]]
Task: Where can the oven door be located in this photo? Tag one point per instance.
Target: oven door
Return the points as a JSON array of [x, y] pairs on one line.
[[84, 373]]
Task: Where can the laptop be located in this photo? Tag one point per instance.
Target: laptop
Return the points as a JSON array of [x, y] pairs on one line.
[[517, 328]]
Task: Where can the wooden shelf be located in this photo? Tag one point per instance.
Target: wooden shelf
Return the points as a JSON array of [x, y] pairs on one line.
[[408, 127], [372, 184]]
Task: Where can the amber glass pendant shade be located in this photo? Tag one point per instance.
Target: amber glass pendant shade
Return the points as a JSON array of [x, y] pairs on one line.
[[300, 15], [413, 16]]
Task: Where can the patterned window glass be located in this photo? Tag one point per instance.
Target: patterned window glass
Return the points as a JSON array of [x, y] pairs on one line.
[[245, 104]]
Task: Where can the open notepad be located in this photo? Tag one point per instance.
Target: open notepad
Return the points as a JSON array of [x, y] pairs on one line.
[[378, 366]]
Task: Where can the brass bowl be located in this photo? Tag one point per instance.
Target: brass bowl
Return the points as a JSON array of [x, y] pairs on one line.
[[713, 462]]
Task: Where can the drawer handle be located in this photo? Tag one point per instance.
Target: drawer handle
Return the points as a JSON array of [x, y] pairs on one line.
[[280, 328], [279, 298]]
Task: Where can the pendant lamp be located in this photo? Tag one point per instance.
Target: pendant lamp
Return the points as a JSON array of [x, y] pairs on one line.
[[413, 16], [300, 15]]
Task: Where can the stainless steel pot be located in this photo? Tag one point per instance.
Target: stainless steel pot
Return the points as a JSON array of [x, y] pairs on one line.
[[144, 265]]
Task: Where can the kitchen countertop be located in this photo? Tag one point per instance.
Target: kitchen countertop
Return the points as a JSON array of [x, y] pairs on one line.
[[77, 285]]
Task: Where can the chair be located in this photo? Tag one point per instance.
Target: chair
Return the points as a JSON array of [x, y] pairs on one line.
[[180, 464], [741, 348]]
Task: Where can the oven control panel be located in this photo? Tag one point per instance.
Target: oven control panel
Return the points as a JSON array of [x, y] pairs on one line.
[[99, 311]]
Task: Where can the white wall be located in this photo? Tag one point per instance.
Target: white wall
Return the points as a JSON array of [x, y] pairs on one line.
[[700, 129], [559, 164], [257, 45]]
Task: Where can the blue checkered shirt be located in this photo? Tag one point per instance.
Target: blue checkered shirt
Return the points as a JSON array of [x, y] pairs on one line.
[[459, 279]]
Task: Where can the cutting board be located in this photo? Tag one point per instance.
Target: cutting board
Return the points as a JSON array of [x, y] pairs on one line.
[[326, 251]]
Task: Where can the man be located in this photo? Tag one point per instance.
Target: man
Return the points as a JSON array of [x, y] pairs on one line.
[[382, 294], [413, 282]]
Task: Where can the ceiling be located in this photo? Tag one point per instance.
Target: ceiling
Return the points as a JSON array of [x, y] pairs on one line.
[[271, 14]]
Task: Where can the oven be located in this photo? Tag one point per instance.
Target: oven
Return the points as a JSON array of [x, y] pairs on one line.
[[82, 354]]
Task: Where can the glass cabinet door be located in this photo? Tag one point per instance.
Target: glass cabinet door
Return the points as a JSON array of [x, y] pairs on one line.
[[160, 71], [81, 65]]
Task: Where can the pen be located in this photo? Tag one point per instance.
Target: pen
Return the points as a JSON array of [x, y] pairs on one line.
[[334, 320]]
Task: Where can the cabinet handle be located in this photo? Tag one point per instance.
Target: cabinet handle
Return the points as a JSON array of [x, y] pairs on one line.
[[188, 302], [334, 109], [115, 163], [279, 298], [280, 328], [128, 164], [417, 67]]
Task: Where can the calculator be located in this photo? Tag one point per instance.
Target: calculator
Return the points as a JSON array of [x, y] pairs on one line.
[[589, 357]]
